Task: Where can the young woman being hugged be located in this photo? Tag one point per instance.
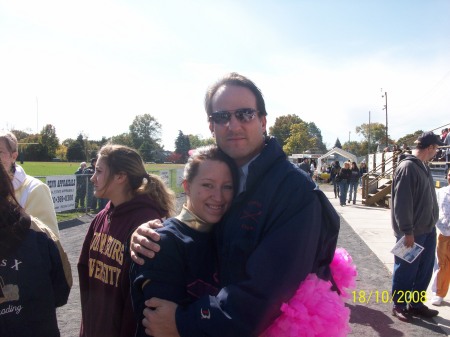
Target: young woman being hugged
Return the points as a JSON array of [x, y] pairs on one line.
[[186, 266], [135, 197]]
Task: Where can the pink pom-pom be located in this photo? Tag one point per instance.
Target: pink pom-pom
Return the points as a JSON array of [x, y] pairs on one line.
[[343, 271], [316, 310]]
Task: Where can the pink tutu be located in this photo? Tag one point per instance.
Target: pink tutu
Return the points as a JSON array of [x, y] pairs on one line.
[[315, 310]]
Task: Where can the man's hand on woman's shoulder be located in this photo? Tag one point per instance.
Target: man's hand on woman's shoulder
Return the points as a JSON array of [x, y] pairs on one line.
[[143, 241]]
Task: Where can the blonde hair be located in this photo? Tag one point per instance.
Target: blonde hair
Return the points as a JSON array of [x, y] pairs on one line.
[[10, 140], [123, 159], [11, 143]]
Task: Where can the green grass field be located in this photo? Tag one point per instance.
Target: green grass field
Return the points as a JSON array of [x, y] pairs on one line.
[[43, 169], [63, 168]]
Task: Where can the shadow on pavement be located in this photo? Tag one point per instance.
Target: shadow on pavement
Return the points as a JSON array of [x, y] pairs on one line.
[[378, 320], [87, 218], [385, 325]]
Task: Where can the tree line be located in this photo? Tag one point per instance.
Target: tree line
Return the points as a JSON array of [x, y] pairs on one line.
[[144, 136], [293, 134], [298, 136]]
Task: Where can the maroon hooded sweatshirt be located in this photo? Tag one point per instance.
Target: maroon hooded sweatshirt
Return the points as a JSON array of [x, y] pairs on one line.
[[103, 268]]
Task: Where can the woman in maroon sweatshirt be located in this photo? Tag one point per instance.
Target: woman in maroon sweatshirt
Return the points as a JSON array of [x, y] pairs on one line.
[[135, 197]]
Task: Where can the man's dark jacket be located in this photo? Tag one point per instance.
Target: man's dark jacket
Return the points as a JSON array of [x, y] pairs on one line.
[[414, 203]]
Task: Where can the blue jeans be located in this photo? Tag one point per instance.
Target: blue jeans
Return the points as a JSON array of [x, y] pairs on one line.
[[353, 187], [413, 278], [335, 186], [343, 188]]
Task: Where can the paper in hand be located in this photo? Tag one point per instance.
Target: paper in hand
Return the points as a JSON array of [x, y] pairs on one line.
[[409, 254]]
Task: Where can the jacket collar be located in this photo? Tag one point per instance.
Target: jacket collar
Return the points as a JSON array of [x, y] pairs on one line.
[[19, 177]]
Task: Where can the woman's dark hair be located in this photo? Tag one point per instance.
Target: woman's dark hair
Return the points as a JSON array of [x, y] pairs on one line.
[[14, 222], [210, 152]]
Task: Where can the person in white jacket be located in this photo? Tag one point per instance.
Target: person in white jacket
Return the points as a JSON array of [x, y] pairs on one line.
[[441, 275], [31, 193]]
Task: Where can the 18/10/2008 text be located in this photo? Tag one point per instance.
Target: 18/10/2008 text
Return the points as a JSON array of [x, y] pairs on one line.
[[385, 296]]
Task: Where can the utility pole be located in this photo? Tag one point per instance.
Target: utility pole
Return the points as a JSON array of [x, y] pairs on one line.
[[368, 140], [385, 108], [37, 115], [349, 137], [86, 149]]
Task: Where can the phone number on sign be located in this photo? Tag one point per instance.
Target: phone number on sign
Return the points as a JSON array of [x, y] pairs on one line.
[[62, 198], [385, 296]]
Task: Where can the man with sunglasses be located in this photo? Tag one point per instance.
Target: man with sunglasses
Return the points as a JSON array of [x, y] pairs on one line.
[[269, 240]]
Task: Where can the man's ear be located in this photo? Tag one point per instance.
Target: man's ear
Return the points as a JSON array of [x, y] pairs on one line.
[[263, 123]]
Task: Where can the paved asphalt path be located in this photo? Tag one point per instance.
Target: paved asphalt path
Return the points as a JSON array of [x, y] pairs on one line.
[[374, 319], [367, 319], [72, 235]]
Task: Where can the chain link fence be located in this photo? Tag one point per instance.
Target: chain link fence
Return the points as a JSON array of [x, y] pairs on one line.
[[76, 192]]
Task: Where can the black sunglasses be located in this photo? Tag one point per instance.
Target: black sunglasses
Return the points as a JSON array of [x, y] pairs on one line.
[[243, 115]]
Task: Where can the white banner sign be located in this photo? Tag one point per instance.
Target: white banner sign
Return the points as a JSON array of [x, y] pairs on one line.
[[165, 176], [180, 173], [63, 190]]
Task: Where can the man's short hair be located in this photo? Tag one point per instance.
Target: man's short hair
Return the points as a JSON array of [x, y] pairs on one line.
[[240, 81]]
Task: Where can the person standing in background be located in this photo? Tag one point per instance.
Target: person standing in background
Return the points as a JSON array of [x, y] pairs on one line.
[[103, 268], [444, 133], [343, 178], [414, 215], [441, 275], [362, 171], [312, 168], [305, 166], [81, 186], [91, 200], [353, 183], [334, 171]]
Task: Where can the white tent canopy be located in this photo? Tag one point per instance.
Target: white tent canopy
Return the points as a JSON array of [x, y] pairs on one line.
[[337, 150]]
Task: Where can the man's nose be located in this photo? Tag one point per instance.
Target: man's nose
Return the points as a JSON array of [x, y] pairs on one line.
[[234, 123]]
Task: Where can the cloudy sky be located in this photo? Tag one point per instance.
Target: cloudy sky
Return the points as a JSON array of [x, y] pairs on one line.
[[91, 66]]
